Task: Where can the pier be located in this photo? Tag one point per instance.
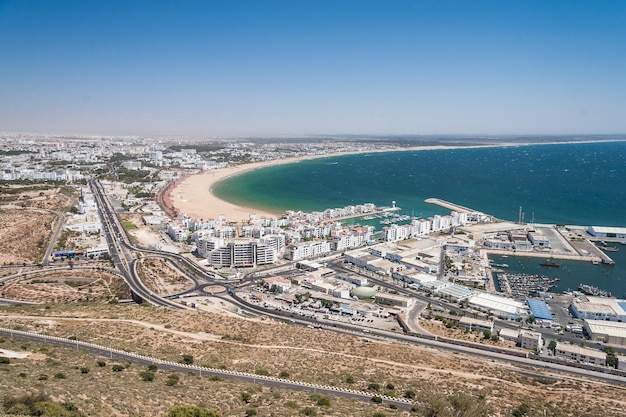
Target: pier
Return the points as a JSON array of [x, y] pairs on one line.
[[449, 205]]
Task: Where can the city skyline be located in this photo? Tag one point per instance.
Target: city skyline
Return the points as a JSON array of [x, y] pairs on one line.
[[294, 68]]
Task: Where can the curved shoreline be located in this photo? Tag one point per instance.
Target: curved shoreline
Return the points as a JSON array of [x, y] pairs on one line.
[[193, 196]]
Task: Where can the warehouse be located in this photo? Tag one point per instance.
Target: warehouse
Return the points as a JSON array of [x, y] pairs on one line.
[[610, 332], [610, 232], [540, 310]]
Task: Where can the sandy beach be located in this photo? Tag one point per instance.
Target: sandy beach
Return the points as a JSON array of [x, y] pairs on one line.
[[194, 196]]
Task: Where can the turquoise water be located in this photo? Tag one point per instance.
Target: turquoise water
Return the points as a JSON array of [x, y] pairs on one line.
[[582, 184]]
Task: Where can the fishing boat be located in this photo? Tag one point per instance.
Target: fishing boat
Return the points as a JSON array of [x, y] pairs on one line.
[[609, 249], [549, 262]]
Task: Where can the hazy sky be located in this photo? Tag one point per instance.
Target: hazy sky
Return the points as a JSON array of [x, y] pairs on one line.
[[312, 66]]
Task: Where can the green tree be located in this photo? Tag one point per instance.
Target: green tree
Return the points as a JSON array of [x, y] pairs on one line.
[[487, 334], [552, 346], [246, 397], [611, 357]]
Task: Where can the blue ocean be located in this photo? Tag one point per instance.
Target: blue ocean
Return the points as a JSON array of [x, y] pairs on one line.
[[577, 183]]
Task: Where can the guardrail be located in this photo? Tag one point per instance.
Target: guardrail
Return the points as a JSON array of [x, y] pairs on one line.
[[182, 367]]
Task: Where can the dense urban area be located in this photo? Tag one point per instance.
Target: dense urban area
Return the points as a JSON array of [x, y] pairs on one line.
[[114, 301]]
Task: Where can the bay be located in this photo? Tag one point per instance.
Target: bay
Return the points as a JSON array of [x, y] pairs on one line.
[[576, 183]]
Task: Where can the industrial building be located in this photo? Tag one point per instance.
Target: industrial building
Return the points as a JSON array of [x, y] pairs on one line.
[[610, 232], [599, 308], [540, 310], [580, 354], [498, 306], [610, 332]]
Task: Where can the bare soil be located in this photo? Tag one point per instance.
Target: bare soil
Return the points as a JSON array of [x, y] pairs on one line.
[[325, 357], [24, 235], [62, 286], [161, 277]]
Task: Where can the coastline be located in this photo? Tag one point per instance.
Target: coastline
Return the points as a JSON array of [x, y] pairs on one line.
[[193, 195]]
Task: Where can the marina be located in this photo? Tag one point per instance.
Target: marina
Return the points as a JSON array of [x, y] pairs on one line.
[[523, 286]]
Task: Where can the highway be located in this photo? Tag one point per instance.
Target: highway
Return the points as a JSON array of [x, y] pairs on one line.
[[121, 252], [268, 381]]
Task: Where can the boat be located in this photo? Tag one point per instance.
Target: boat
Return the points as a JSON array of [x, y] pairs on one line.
[[593, 290], [548, 262], [501, 265], [609, 249]]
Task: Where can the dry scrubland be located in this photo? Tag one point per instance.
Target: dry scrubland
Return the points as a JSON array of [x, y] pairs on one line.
[[265, 346], [61, 286], [24, 235], [25, 232], [161, 277]]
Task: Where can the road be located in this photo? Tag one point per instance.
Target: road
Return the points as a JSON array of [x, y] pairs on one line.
[[122, 254], [267, 381]]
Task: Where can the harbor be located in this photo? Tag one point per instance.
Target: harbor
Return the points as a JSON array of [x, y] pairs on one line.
[[524, 286], [449, 205]]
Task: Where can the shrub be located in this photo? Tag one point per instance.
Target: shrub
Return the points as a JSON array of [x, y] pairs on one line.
[[283, 374], [4, 360], [291, 404], [263, 372], [250, 412], [246, 397], [349, 380], [187, 360], [409, 394], [378, 415], [59, 375], [308, 411], [376, 399], [172, 379], [321, 400], [153, 368], [147, 376], [390, 387], [191, 410], [43, 377], [373, 386], [84, 370], [101, 364], [117, 368]]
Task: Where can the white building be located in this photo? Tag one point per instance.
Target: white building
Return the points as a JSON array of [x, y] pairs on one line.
[[611, 232], [305, 250], [599, 308], [580, 354], [530, 340]]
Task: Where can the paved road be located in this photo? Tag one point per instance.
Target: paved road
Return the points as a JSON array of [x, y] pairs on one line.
[[270, 382]]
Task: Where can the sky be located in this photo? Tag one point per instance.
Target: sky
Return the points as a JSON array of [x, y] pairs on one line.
[[238, 68]]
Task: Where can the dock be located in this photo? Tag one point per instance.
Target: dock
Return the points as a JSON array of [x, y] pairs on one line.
[[449, 205]]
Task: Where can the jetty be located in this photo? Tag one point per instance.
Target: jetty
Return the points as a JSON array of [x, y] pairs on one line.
[[449, 205]]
